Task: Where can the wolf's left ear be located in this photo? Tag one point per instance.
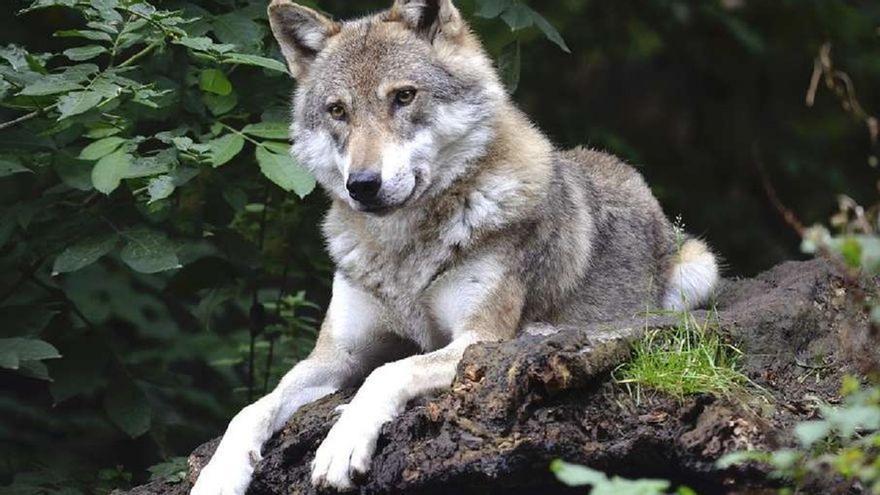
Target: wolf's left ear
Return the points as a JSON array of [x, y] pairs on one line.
[[301, 32], [430, 18]]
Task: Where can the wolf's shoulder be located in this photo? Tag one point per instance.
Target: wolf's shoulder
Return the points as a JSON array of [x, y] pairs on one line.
[[600, 166], [604, 171]]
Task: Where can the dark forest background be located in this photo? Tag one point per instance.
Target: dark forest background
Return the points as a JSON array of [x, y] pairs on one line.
[[182, 286]]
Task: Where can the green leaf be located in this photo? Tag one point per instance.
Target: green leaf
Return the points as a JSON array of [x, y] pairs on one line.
[[215, 81], [107, 10], [870, 253], [851, 250], [100, 130], [182, 175], [149, 251], [491, 9], [160, 188], [183, 143], [255, 60], [110, 170], [172, 471], [84, 253], [549, 31], [34, 369], [268, 130], [107, 88], [83, 33], [69, 80], [13, 352], [101, 148], [219, 105], [103, 26], [128, 407], [196, 43], [77, 103], [79, 73], [785, 459], [81, 53], [239, 30], [11, 166], [74, 173], [50, 85], [15, 55], [225, 148], [576, 475], [284, 171], [148, 166], [810, 432], [518, 16], [847, 421], [510, 66]]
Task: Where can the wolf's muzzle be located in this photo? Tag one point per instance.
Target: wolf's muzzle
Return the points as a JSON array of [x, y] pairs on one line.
[[364, 186]]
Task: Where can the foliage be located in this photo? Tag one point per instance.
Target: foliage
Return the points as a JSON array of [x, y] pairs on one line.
[[845, 444], [576, 475], [147, 235], [692, 358]]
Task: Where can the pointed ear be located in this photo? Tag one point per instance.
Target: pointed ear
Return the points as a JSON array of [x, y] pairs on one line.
[[429, 18], [301, 32]]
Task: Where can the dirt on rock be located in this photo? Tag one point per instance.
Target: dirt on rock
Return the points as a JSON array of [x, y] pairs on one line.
[[515, 406]]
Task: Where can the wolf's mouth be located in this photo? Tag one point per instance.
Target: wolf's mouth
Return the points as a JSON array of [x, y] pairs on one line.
[[379, 209]]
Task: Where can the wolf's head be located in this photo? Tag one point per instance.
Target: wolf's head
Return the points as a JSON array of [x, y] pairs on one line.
[[391, 108]]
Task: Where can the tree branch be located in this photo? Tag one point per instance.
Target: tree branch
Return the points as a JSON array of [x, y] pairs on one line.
[[23, 118]]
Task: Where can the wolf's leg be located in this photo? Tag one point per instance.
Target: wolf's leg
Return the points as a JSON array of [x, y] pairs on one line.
[[349, 346], [491, 315], [349, 446]]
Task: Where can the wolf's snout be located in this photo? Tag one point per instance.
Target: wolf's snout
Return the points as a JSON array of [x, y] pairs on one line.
[[364, 186]]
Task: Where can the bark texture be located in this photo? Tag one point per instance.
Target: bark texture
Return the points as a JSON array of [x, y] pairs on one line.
[[517, 405]]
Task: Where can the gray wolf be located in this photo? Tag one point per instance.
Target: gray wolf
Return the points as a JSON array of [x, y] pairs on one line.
[[454, 220]]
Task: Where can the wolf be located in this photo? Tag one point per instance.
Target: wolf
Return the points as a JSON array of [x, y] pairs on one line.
[[454, 221]]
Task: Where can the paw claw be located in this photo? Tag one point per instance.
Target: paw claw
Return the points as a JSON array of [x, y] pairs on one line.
[[346, 453]]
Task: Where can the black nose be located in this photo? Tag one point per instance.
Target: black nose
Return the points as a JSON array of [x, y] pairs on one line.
[[364, 186]]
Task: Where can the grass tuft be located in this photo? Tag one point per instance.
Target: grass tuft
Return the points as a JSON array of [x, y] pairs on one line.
[[692, 358]]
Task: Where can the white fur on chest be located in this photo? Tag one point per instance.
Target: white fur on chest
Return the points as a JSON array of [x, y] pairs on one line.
[[461, 291], [430, 287]]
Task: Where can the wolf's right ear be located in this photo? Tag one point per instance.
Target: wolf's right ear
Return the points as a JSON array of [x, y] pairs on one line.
[[429, 18], [301, 32]]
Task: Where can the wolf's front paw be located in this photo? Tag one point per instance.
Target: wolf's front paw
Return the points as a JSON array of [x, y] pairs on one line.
[[225, 476], [347, 451]]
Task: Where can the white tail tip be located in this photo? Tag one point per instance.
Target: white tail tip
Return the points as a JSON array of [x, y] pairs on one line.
[[693, 277]]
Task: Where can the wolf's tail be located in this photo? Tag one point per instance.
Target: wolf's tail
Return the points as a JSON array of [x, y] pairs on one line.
[[693, 276]]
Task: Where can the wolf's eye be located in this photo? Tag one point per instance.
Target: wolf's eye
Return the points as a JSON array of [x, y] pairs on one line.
[[405, 96], [336, 111]]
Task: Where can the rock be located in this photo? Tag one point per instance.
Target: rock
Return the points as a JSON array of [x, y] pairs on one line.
[[517, 405]]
